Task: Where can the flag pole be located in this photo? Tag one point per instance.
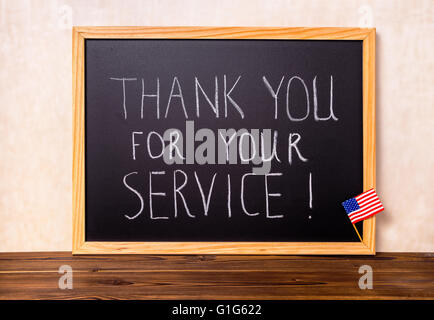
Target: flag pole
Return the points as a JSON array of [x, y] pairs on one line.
[[357, 232]]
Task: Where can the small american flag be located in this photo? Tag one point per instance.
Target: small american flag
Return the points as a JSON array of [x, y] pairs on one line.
[[363, 206]]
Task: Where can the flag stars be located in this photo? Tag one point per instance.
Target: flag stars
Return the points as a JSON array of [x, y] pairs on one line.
[[351, 205]]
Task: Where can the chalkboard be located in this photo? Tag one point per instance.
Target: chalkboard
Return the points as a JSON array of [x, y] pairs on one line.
[[222, 140]]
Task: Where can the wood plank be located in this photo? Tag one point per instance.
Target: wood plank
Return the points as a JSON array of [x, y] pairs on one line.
[[237, 248], [78, 161], [369, 147], [395, 276], [336, 33]]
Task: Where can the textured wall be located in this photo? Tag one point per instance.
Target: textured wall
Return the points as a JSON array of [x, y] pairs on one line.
[[36, 117]]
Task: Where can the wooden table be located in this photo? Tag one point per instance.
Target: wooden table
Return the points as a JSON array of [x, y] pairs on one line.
[[395, 276]]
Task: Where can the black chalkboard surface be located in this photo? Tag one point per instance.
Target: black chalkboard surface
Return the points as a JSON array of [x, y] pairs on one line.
[[296, 103]]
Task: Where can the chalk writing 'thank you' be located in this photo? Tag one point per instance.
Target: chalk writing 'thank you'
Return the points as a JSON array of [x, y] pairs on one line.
[[224, 87]]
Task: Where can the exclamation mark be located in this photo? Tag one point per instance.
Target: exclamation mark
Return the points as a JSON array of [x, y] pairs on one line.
[[310, 192]]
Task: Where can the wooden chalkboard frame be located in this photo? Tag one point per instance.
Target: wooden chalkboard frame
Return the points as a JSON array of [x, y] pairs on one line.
[[79, 34]]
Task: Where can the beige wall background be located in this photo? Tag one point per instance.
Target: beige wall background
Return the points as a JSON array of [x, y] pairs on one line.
[[36, 116]]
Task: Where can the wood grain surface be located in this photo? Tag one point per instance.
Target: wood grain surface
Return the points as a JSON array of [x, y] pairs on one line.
[[395, 276]]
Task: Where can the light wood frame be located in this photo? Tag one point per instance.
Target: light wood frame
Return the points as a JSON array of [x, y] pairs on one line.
[[79, 34]]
